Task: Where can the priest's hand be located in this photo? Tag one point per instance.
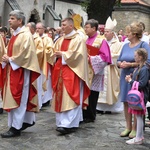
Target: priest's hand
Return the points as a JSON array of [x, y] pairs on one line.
[[5, 58], [58, 54]]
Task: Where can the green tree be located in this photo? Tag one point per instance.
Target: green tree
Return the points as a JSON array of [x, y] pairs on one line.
[[99, 9]]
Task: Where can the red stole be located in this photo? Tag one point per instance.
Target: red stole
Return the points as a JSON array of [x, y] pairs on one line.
[[2, 77], [16, 76], [17, 80], [63, 76]]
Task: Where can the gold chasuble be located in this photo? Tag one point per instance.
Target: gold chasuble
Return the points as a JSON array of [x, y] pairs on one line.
[[39, 49], [66, 78], [21, 50], [47, 47], [2, 52]]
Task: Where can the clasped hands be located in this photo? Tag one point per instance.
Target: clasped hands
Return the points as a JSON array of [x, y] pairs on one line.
[[58, 54], [124, 64], [5, 58]]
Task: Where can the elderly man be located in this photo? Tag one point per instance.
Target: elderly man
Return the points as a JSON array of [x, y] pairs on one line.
[[19, 93], [47, 43], [70, 81], [108, 98], [40, 54]]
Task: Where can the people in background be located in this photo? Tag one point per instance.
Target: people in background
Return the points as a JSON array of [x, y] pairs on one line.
[[2, 52], [40, 55], [121, 32], [46, 72]]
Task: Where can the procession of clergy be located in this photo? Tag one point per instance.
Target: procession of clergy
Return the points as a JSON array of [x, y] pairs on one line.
[[76, 72]]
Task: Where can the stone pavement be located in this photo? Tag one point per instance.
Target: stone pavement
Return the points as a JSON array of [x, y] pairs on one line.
[[103, 134]]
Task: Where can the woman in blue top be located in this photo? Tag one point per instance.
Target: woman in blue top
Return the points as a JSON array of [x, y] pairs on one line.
[[127, 64]]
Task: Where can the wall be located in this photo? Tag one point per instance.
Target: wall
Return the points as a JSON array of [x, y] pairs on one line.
[[148, 1], [125, 18], [128, 13]]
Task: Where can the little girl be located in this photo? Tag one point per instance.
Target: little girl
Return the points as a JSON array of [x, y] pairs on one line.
[[141, 74]]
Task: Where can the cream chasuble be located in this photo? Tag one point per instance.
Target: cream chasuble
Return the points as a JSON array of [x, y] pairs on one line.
[[47, 45], [24, 56], [111, 76]]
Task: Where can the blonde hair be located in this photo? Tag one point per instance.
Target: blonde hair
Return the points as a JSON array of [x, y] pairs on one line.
[[135, 28]]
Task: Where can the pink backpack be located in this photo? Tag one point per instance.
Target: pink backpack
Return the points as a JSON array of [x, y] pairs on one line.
[[135, 98]]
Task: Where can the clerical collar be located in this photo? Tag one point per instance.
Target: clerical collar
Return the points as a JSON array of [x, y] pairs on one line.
[[43, 35], [109, 42], [17, 30], [93, 35], [70, 34], [91, 39], [34, 35]]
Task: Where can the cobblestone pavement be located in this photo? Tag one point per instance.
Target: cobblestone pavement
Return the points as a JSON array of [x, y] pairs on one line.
[[103, 134]]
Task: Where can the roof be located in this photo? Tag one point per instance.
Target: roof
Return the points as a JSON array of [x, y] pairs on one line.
[[134, 2], [13, 4], [53, 13]]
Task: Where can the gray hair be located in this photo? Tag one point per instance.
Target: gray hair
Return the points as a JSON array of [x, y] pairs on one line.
[[18, 14], [93, 23], [33, 25], [41, 24]]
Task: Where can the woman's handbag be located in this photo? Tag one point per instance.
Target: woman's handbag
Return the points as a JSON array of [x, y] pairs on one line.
[[135, 98]]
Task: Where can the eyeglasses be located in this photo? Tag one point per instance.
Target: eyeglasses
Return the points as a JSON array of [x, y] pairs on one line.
[[39, 28]]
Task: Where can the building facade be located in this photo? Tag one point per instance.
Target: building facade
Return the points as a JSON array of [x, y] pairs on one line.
[[50, 12]]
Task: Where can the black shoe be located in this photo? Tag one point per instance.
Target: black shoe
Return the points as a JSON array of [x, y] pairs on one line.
[[148, 111], [107, 112], [12, 132], [88, 120], [99, 112], [66, 130], [46, 104], [1, 110], [81, 122], [147, 124], [61, 130], [26, 125]]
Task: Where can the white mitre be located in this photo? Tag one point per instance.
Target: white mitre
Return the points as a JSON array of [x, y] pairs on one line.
[[110, 24]]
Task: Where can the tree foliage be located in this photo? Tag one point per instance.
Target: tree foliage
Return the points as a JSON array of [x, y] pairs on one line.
[[99, 9]]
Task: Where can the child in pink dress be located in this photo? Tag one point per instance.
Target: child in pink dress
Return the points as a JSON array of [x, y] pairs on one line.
[[141, 74]]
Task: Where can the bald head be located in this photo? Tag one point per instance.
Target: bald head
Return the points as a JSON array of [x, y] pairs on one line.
[[32, 27]]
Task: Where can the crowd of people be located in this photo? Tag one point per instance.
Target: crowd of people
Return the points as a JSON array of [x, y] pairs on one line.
[[77, 71]]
